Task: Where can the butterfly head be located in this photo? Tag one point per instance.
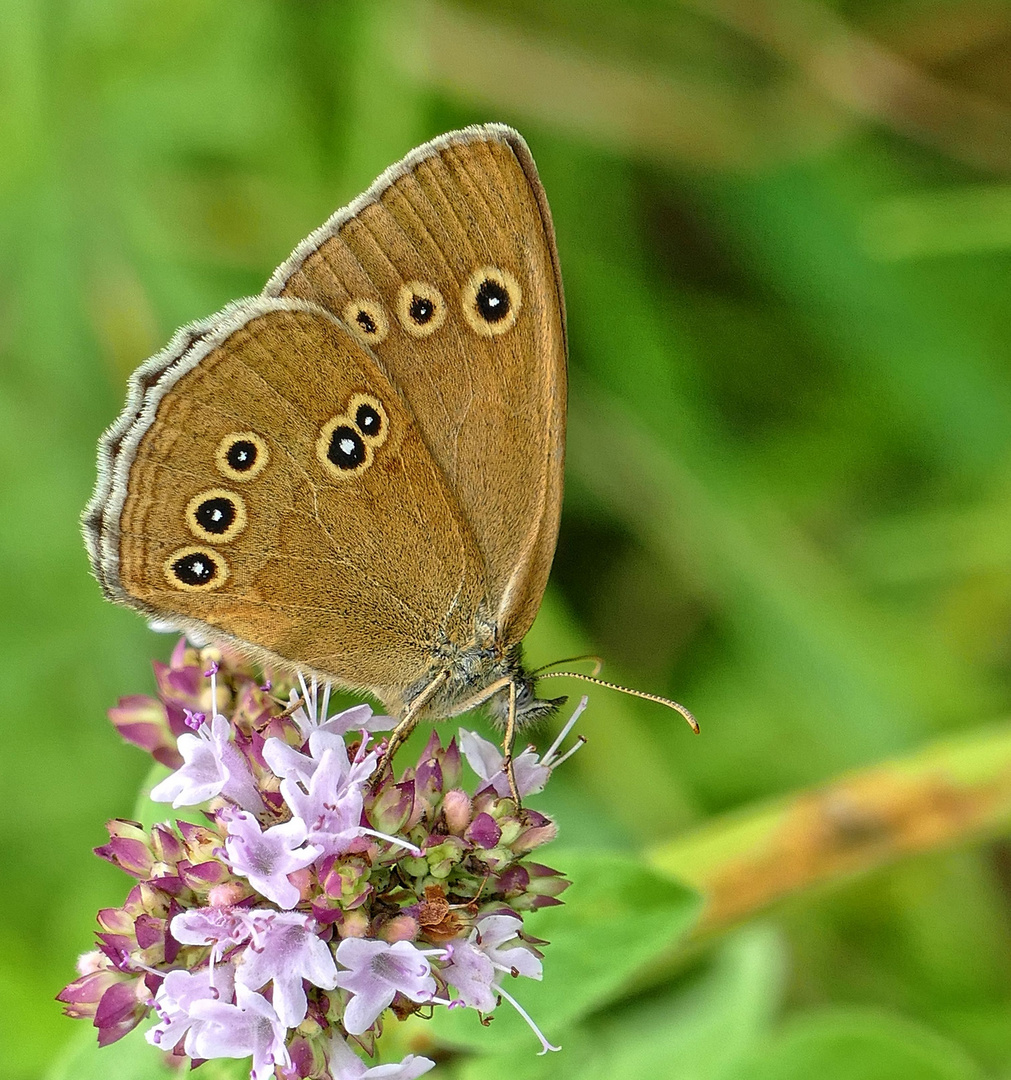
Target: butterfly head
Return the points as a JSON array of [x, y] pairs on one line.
[[530, 709]]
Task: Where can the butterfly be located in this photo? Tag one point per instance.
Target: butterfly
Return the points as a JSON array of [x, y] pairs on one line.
[[358, 473]]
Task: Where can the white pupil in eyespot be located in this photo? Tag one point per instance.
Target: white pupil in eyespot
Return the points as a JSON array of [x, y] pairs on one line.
[[199, 568], [348, 446]]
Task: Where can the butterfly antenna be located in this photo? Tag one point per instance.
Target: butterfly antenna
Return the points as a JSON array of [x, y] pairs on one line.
[[692, 722], [598, 663]]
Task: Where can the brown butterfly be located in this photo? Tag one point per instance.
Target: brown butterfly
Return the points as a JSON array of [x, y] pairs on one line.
[[358, 473]]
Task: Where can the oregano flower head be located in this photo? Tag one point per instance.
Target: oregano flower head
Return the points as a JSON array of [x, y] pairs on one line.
[[324, 895]]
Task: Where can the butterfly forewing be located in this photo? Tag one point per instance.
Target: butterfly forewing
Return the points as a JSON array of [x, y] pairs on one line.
[[447, 269], [294, 507]]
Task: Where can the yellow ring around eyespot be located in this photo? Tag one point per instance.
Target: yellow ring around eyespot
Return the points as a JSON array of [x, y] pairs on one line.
[[221, 456], [233, 530], [354, 404], [422, 291], [468, 298], [360, 310], [323, 447], [214, 557]]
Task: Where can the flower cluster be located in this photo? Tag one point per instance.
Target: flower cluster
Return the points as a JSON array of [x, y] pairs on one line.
[[321, 893]]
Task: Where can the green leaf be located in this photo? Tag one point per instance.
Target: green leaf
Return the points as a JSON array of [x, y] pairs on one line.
[[617, 918], [698, 1032], [852, 1045], [134, 1058], [131, 1057]]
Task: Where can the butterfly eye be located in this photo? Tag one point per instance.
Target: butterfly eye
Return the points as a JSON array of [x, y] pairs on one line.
[[366, 320], [241, 455], [196, 569], [491, 300], [420, 308], [216, 515], [370, 418], [341, 449]]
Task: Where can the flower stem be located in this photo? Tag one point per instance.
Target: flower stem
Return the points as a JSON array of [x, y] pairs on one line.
[[944, 794]]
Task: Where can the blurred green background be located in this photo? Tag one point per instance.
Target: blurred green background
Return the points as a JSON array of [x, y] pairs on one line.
[[785, 234]]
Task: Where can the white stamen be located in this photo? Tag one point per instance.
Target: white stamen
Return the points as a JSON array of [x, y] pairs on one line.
[[412, 848], [326, 702], [546, 760], [455, 1003], [581, 741], [308, 700]]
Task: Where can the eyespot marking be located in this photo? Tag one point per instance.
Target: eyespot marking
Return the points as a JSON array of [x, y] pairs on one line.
[[369, 417], [491, 301], [196, 569], [367, 420], [420, 308], [366, 320], [242, 455], [341, 448], [216, 515]]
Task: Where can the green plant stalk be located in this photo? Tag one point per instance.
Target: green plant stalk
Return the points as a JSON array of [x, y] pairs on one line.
[[948, 793]]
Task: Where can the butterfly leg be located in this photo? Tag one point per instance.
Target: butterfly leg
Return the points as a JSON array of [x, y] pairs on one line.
[[409, 721], [510, 731], [507, 744]]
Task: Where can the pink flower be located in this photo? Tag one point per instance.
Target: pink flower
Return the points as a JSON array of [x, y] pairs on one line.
[[311, 715], [287, 949], [249, 1027], [220, 927], [178, 995], [472, 975], [531, 772], [266, 858], [377, 972], [345, 1064], [324, 789], [492, 932], [477, 966], [212, 765]]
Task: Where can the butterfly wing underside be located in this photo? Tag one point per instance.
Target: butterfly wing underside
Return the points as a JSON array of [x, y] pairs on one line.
[[270, 485], [446, 267]]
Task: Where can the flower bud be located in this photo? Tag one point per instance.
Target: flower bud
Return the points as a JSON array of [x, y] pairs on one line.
[[400, 928], [354, 925], [457, 809]]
